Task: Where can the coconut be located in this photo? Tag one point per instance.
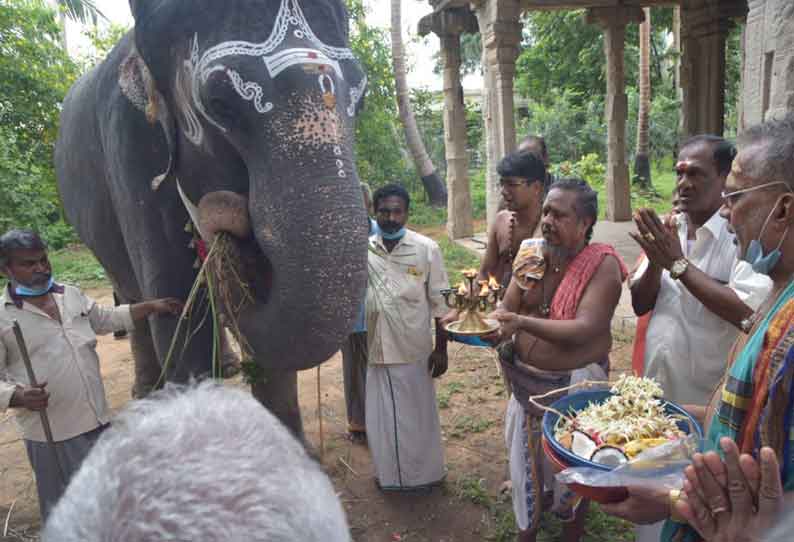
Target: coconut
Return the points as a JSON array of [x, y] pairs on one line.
[[582, 444], [610, 456]]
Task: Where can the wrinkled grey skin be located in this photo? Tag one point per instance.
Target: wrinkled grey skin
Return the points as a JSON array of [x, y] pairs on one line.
[[293, 167]]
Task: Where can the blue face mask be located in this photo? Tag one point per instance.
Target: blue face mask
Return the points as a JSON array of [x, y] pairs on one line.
[[24, 291], [394, 236], [755, 251]]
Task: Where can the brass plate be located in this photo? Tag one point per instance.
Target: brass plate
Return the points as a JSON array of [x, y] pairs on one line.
[[493, 325]]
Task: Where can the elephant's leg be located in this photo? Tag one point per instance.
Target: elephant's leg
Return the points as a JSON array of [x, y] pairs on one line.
[[278, 392], [147, 366]]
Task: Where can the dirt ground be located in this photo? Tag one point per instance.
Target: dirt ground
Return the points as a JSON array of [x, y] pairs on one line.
[[468, 507]]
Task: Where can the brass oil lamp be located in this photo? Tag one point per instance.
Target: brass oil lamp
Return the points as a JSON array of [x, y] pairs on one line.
[[474, 303]]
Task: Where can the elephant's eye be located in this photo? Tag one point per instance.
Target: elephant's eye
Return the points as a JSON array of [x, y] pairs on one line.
[[221, 111]]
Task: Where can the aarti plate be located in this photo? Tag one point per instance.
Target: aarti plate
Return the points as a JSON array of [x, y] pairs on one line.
[[453, 327]]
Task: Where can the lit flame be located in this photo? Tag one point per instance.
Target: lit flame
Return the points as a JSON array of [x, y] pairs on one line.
[[469, 273], [484, 291], [462, 290], [492, 284]]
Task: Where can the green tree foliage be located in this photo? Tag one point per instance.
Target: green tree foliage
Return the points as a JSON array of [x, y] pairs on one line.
[[561, 52], [379, 154], [102, 39], [35, 74]]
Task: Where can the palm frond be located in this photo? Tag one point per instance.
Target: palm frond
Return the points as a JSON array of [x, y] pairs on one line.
[[84, 11]]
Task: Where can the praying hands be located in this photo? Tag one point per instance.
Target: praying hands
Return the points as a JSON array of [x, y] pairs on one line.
[[735, 500]]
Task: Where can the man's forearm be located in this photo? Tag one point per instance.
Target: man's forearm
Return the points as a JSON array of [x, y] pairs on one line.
[[645, 290], [441, 336], [715, 296], [139, 311], [565, 333]]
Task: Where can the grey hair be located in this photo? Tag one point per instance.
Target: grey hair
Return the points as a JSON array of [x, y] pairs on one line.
[[19, 239], [776, 137], [206, 464]]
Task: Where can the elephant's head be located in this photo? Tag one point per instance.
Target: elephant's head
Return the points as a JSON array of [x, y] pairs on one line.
[[258, 99]]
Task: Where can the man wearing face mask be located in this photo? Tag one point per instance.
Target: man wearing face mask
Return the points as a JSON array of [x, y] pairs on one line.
[[700, 295], [59, 324], [406, 277], [750, 412]]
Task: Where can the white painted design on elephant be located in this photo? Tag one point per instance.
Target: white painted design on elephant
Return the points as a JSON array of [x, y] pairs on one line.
[[280, 61], [249, 91], [192, 128], [330, 88], [281, 50], [356, 93]]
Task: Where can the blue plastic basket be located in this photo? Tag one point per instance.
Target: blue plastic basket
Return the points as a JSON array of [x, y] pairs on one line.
[[578, 401]]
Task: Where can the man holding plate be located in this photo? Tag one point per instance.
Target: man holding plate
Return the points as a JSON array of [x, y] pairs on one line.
[[555, 327]]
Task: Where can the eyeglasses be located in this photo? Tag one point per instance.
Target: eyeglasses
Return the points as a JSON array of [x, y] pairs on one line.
[[730, 198], [511, 184]]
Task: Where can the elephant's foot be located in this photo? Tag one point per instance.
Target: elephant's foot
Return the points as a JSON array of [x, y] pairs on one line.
[[278, 392]]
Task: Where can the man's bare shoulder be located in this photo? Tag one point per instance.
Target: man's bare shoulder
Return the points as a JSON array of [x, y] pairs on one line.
[[610, 271], [501, 221]]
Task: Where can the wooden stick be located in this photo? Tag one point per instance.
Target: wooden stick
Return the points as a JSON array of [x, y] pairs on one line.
[[341, 460], [45, 420], [320, 416]]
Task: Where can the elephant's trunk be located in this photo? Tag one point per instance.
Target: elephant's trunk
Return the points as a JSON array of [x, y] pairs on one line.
[[313, 232]]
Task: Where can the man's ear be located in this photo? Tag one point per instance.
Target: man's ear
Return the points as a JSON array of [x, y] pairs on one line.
[[785, 210]]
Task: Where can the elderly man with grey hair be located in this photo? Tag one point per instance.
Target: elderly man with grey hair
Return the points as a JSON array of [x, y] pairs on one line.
[[209, 464]]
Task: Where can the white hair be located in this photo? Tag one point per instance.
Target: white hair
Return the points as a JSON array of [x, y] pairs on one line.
[[206, 464]]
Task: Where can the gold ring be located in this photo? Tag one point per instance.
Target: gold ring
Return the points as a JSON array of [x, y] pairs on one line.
[[649, 237]]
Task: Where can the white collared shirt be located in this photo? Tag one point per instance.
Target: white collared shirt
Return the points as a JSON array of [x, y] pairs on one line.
[[403, 296], [687, 345], [63, 354]]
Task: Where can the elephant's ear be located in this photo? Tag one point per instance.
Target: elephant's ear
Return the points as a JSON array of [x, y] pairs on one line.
[[137, 85]]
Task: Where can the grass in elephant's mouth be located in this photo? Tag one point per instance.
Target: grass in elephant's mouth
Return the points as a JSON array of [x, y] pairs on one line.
[[219, 295]]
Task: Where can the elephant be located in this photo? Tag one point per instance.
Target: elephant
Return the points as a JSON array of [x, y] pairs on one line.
[[237, 116]]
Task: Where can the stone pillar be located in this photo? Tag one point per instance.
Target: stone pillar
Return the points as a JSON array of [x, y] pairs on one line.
[[704, 28], [500, 30], [614, 21]]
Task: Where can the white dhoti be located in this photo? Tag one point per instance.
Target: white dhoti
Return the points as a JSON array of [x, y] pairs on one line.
[[403, 428], [517, 439]]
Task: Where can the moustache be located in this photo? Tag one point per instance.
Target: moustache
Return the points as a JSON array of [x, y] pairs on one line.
[[390, 226]]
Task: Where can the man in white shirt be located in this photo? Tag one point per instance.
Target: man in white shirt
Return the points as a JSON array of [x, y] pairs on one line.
[[701, 296], [59, 324], [406, 277]]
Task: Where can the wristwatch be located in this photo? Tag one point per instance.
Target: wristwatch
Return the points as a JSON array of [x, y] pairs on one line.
[[678, 268]]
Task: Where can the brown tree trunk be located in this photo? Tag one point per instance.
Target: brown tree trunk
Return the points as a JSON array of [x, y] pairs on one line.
[[434, 186], [642, 162]]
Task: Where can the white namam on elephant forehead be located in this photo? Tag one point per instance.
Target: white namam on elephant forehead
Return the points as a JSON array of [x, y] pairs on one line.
[[291, 42]]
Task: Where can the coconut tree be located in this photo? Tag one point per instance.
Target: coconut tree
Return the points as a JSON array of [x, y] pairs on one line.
[[642, 163], [434, 186], [83, 11]]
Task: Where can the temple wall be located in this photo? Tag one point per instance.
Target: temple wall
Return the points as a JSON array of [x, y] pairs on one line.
[[768, 79]]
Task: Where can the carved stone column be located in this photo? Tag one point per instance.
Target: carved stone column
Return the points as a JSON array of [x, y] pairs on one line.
[[614, 21], [448, 25], [704, 29], [500, 30]]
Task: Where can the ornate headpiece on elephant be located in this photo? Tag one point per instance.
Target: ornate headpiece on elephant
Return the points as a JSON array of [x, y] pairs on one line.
[[291, 42]]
